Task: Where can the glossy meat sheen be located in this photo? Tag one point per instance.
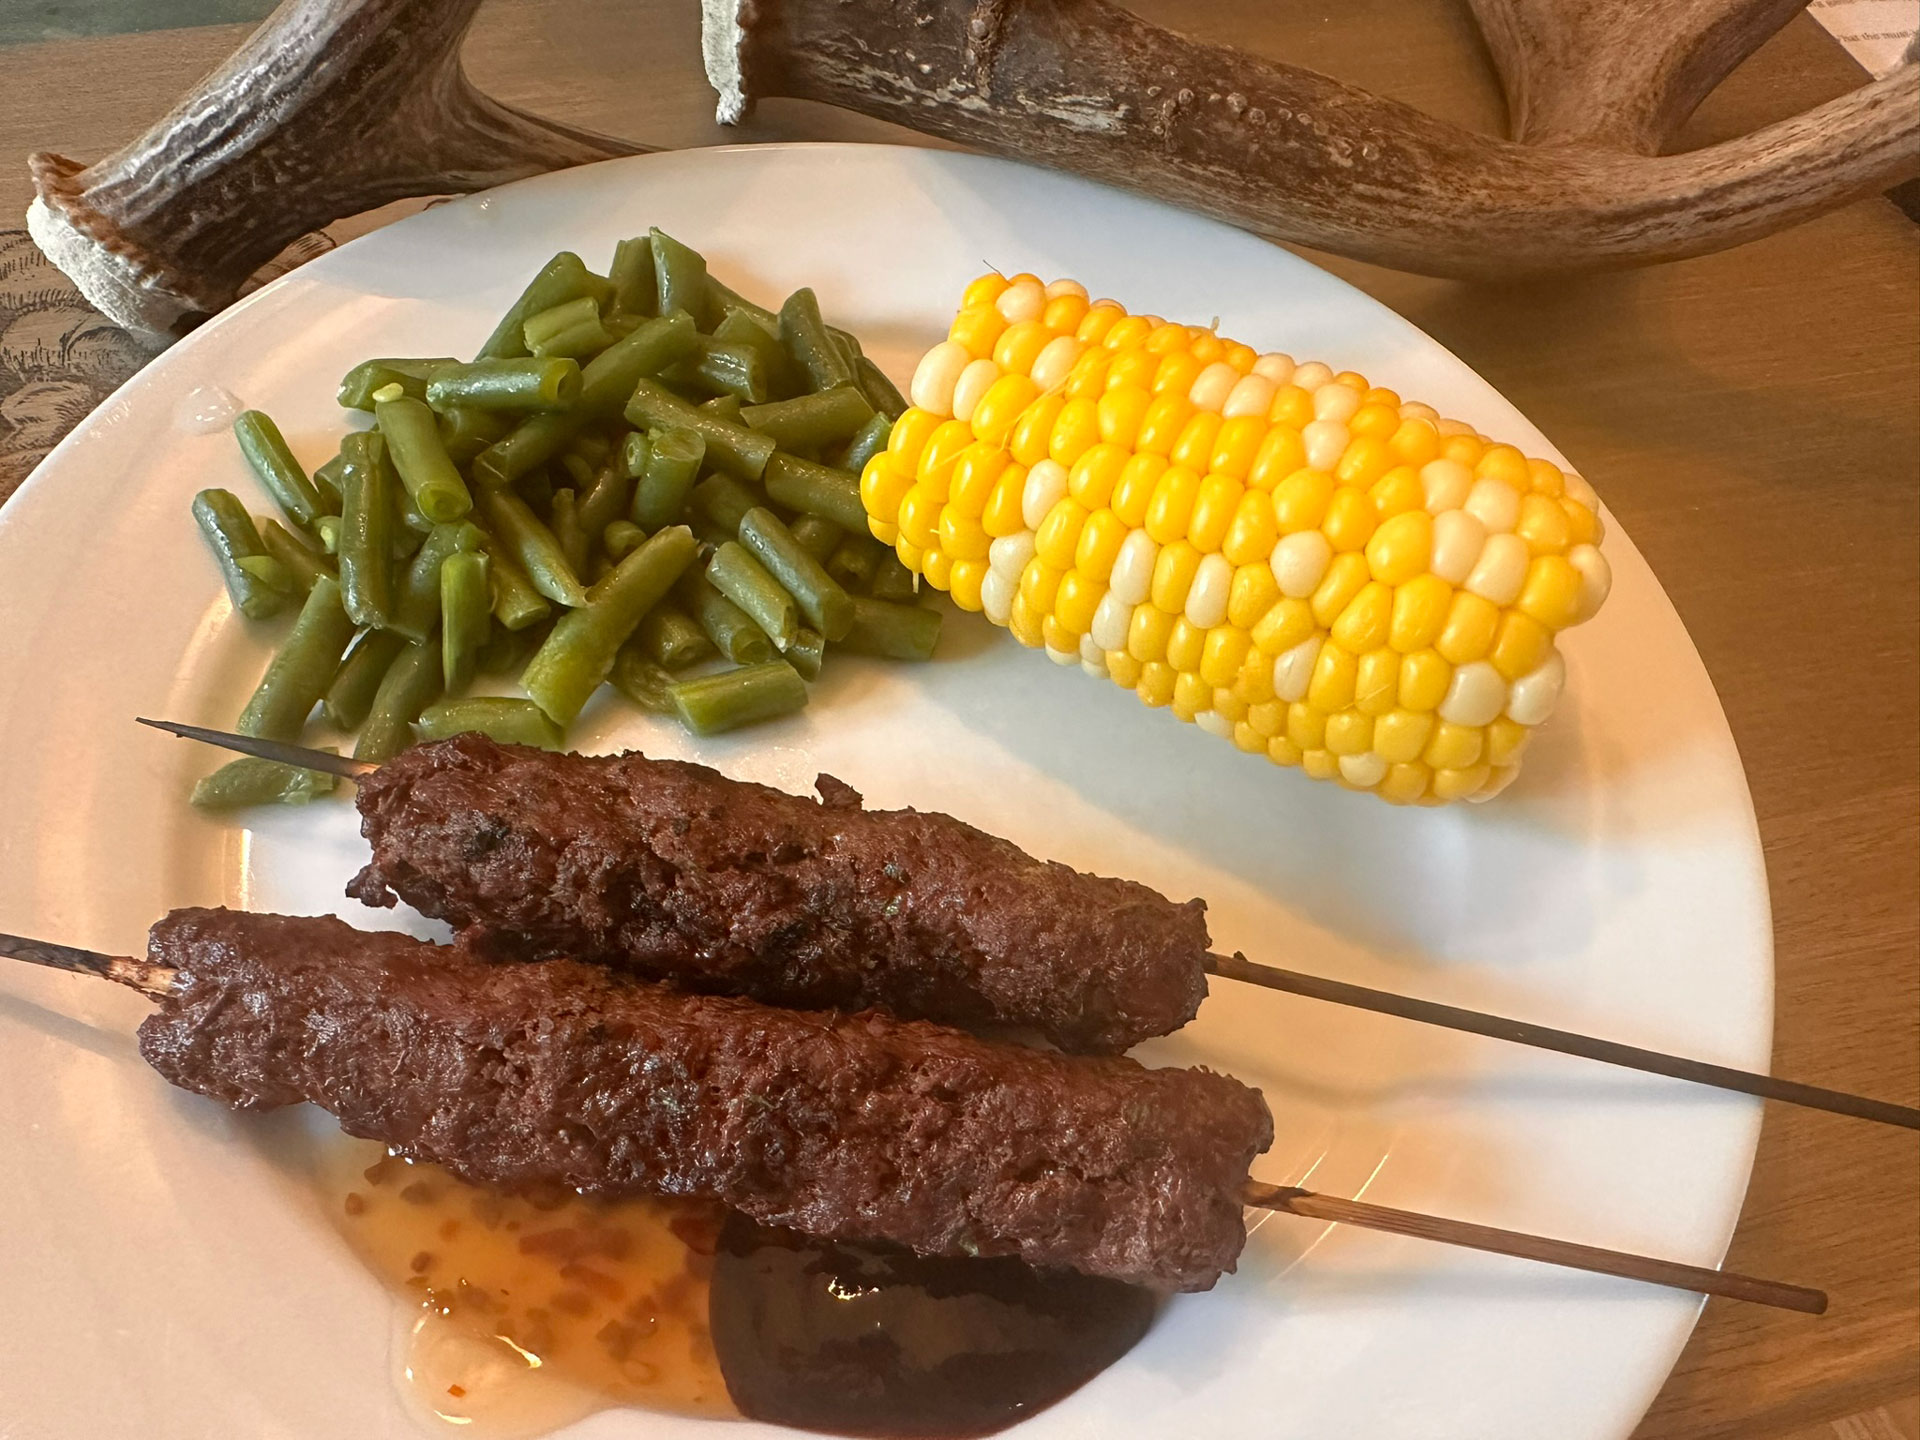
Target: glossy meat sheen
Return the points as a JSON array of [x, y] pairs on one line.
[[845, 1127], [684, 875]]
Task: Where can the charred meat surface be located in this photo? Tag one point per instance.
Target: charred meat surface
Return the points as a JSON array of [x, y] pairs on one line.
[[681, 874], [856, 1127]]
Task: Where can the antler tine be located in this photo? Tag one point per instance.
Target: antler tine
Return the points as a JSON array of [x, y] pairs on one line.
[[332, 107]]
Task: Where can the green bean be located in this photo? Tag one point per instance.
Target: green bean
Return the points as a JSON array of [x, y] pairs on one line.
[[591, 446], [413, 525], [853, 563], [266, 451], [730, 447], [326, 482], [579, 469], [680, 279], [867, 442], [532, 545], [672, 638], [745, 581], [301, 560], [253, 781], [516, 604], [577, 656], [302, 669], [511, 722], [231, 535], [416, 609], [634, 451], [808, 653], [812, 422], [881, 392], [581, 341], [730, 628], [804, 335], [738, 327], [828, 608], [412, 683], [563, 518], [670, 462], [269, 571], [635, 292], [327, 531], [642, 680], [893, 581], [359, 383], [366, 523], [522, 383], [466, 430], [819, 538], [816, 490], [722, 407], [733, 698], [722, 298], [536, 488], [621, 539], [563, 278], [728, 369], [896, 632], [606, 500], [350, 696], [414, 446], [557, 320], [466, 616], [507, 651], [724, 501]]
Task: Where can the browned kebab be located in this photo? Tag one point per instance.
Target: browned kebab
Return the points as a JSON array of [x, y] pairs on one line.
[[677, 873], [845, 1127]]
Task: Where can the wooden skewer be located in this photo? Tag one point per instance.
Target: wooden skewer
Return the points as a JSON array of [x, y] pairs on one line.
[[1338, 992], [157, 980]]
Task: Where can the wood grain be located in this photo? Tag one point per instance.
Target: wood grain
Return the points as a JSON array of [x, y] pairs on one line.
[[1751, 418]]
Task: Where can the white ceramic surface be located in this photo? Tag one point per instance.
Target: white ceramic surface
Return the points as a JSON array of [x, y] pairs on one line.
[[170, 1274]]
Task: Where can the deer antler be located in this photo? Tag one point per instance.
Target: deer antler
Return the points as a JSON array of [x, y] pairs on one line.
[[332, 107], [1082, 85]]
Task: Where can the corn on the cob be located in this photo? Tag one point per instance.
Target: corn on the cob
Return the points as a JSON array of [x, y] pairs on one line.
[[1293, 559]]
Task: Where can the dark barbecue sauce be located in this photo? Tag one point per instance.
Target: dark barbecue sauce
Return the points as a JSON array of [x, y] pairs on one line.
[[870, 1340]]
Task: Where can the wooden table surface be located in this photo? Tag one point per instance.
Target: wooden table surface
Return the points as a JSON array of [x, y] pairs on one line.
[[1753, 419]]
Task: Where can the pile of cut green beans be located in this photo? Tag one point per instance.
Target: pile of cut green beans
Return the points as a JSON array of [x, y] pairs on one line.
[[643, 479]]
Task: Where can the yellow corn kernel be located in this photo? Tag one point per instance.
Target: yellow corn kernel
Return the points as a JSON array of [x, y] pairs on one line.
[[965, 581], [1353, 380], [937, 457], [1546, 478], [1415, 443], [1123, 669], [1166, 337], [1463, 449], [1075, 431], [882, 487], [1236, 444], [1364, 461], [1099, 545], [1055, 636], [1454, 747], [1020, 345], [1334, 674], [1186, 642], [1306, 726], [1362, 624], [1269, 717], [1402, 547], [1039, 583], [1213, 510], [1375, 421], [1252, 594], [1400, 735], [1172, 504], [885, 533], [909, 553], [1505, 740], [1458, 784], [1281, 453], [1064, 314], [1194, 447], [975, 472], [1191, 693], [985, 290], [1551, 592], [961, 537], [1251, 534], [1033, 432], [1160, 427], [1059, 534], [1351, 518], [1520, 645], [1098, 322], [1320, 764], [1156, 684], [1133, 491], [1346, 577], [1002, 515], [1405, 783], [1424, 678], [1076, 600], [1147, 633], [1225, 652], [1241, 357], [1284, 626], [919, 516], [996, 412], [1543, 525], [1282, 751], [1398, 491], [1471, 625], [1229, 706], [1503, 462], [1246, 738], [976, 328], [1092, 477], [1291, 406], [1583, 526], [909, 437], [1206, 346], [1349, 733], [1376, 681], [1128, 331], [1131, 370], [936, 567], [1087, 380], [1420, 609], [1254, 683], [1176, 373], [1121, 410], [1300, 501]]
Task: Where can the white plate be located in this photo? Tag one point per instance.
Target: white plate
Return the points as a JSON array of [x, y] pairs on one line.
[[169, 1277]]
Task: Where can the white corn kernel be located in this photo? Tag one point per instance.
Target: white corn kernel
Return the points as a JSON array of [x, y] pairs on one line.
[[1458, 539], [1207, 596], [1576, 488], [1300, 562], [1055, 362], [1212, 385], [1293, 669], [1046, 485], [1450, 428], [1062, 657], [1365, 770], [996, 595], [974, 382], [1538, 691], [1326, 441], [1009, 554], [1497, 780], [1596, 579], [935, 376], [1447, 484], [1024, 300], [1475, 696], [1494, 503], [1066, 287], [1275, 367], [1414, 410], [1132, 577], [1214, 723], [1501, 570], [1335, 402], [1250, 396], [1312, 375], [1092, 654], [1112, 619]]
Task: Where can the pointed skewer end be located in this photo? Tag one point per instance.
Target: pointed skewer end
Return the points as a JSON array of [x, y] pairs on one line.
[[276, 750]]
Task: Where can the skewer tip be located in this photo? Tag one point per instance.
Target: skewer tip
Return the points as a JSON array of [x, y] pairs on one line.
[[275, 750]]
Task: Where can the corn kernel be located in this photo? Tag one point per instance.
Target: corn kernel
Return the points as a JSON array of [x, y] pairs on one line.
[[1033, 432], [1300, 501], [1132, 370], [976, 470], [1147, 633], [1128, 331], [1281, 453], [1376, 682], [1404, 783], [1228, 706], [1236, 443], [919, 516], [1506, 739], [996, 412], [1504, 463], [1133, 491], [1123, 669], [1397, 491], [909, 437], [1362, 624], [1075, 431], [936, 566], [1269, 717], [1059, 534], [1543, 525], [1284, 626], [965, 582], [1099, 545], [1213, 510], [909, 553], [976, 328], [1002, 515], [1464, 449], [1046, 487], [1098, 322], [1424, 678], [961, 537], [1520, 646], [1020, 345], [1282, 751], [1458, 784], [1172, 504], [1551, 593], [1093, 476], [1186, 642], [1454, 746], [1254, 683], [1334, 674], [1039, 584], [1168, 337], [1375, 421], [985, 290], [1191, 693], [1306, 726], [1251, 535], [1346, 577], [1402, 547], [1253, 594], [1583, 526], [1176, 373], [1420, 608], [1320, 764], [1087, 380], [1365, 460], [1160, 427], [1121, 410], [1349, 733], [1076, 600], [1226, 650], [1400, 735], [1064, 313], [1246, 738], [1291, 406], [1415, 443], [1194, 447], [942, 447], [1351, 519], [881, 530], [1471, 625], [1156, 684], [882, 487]]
